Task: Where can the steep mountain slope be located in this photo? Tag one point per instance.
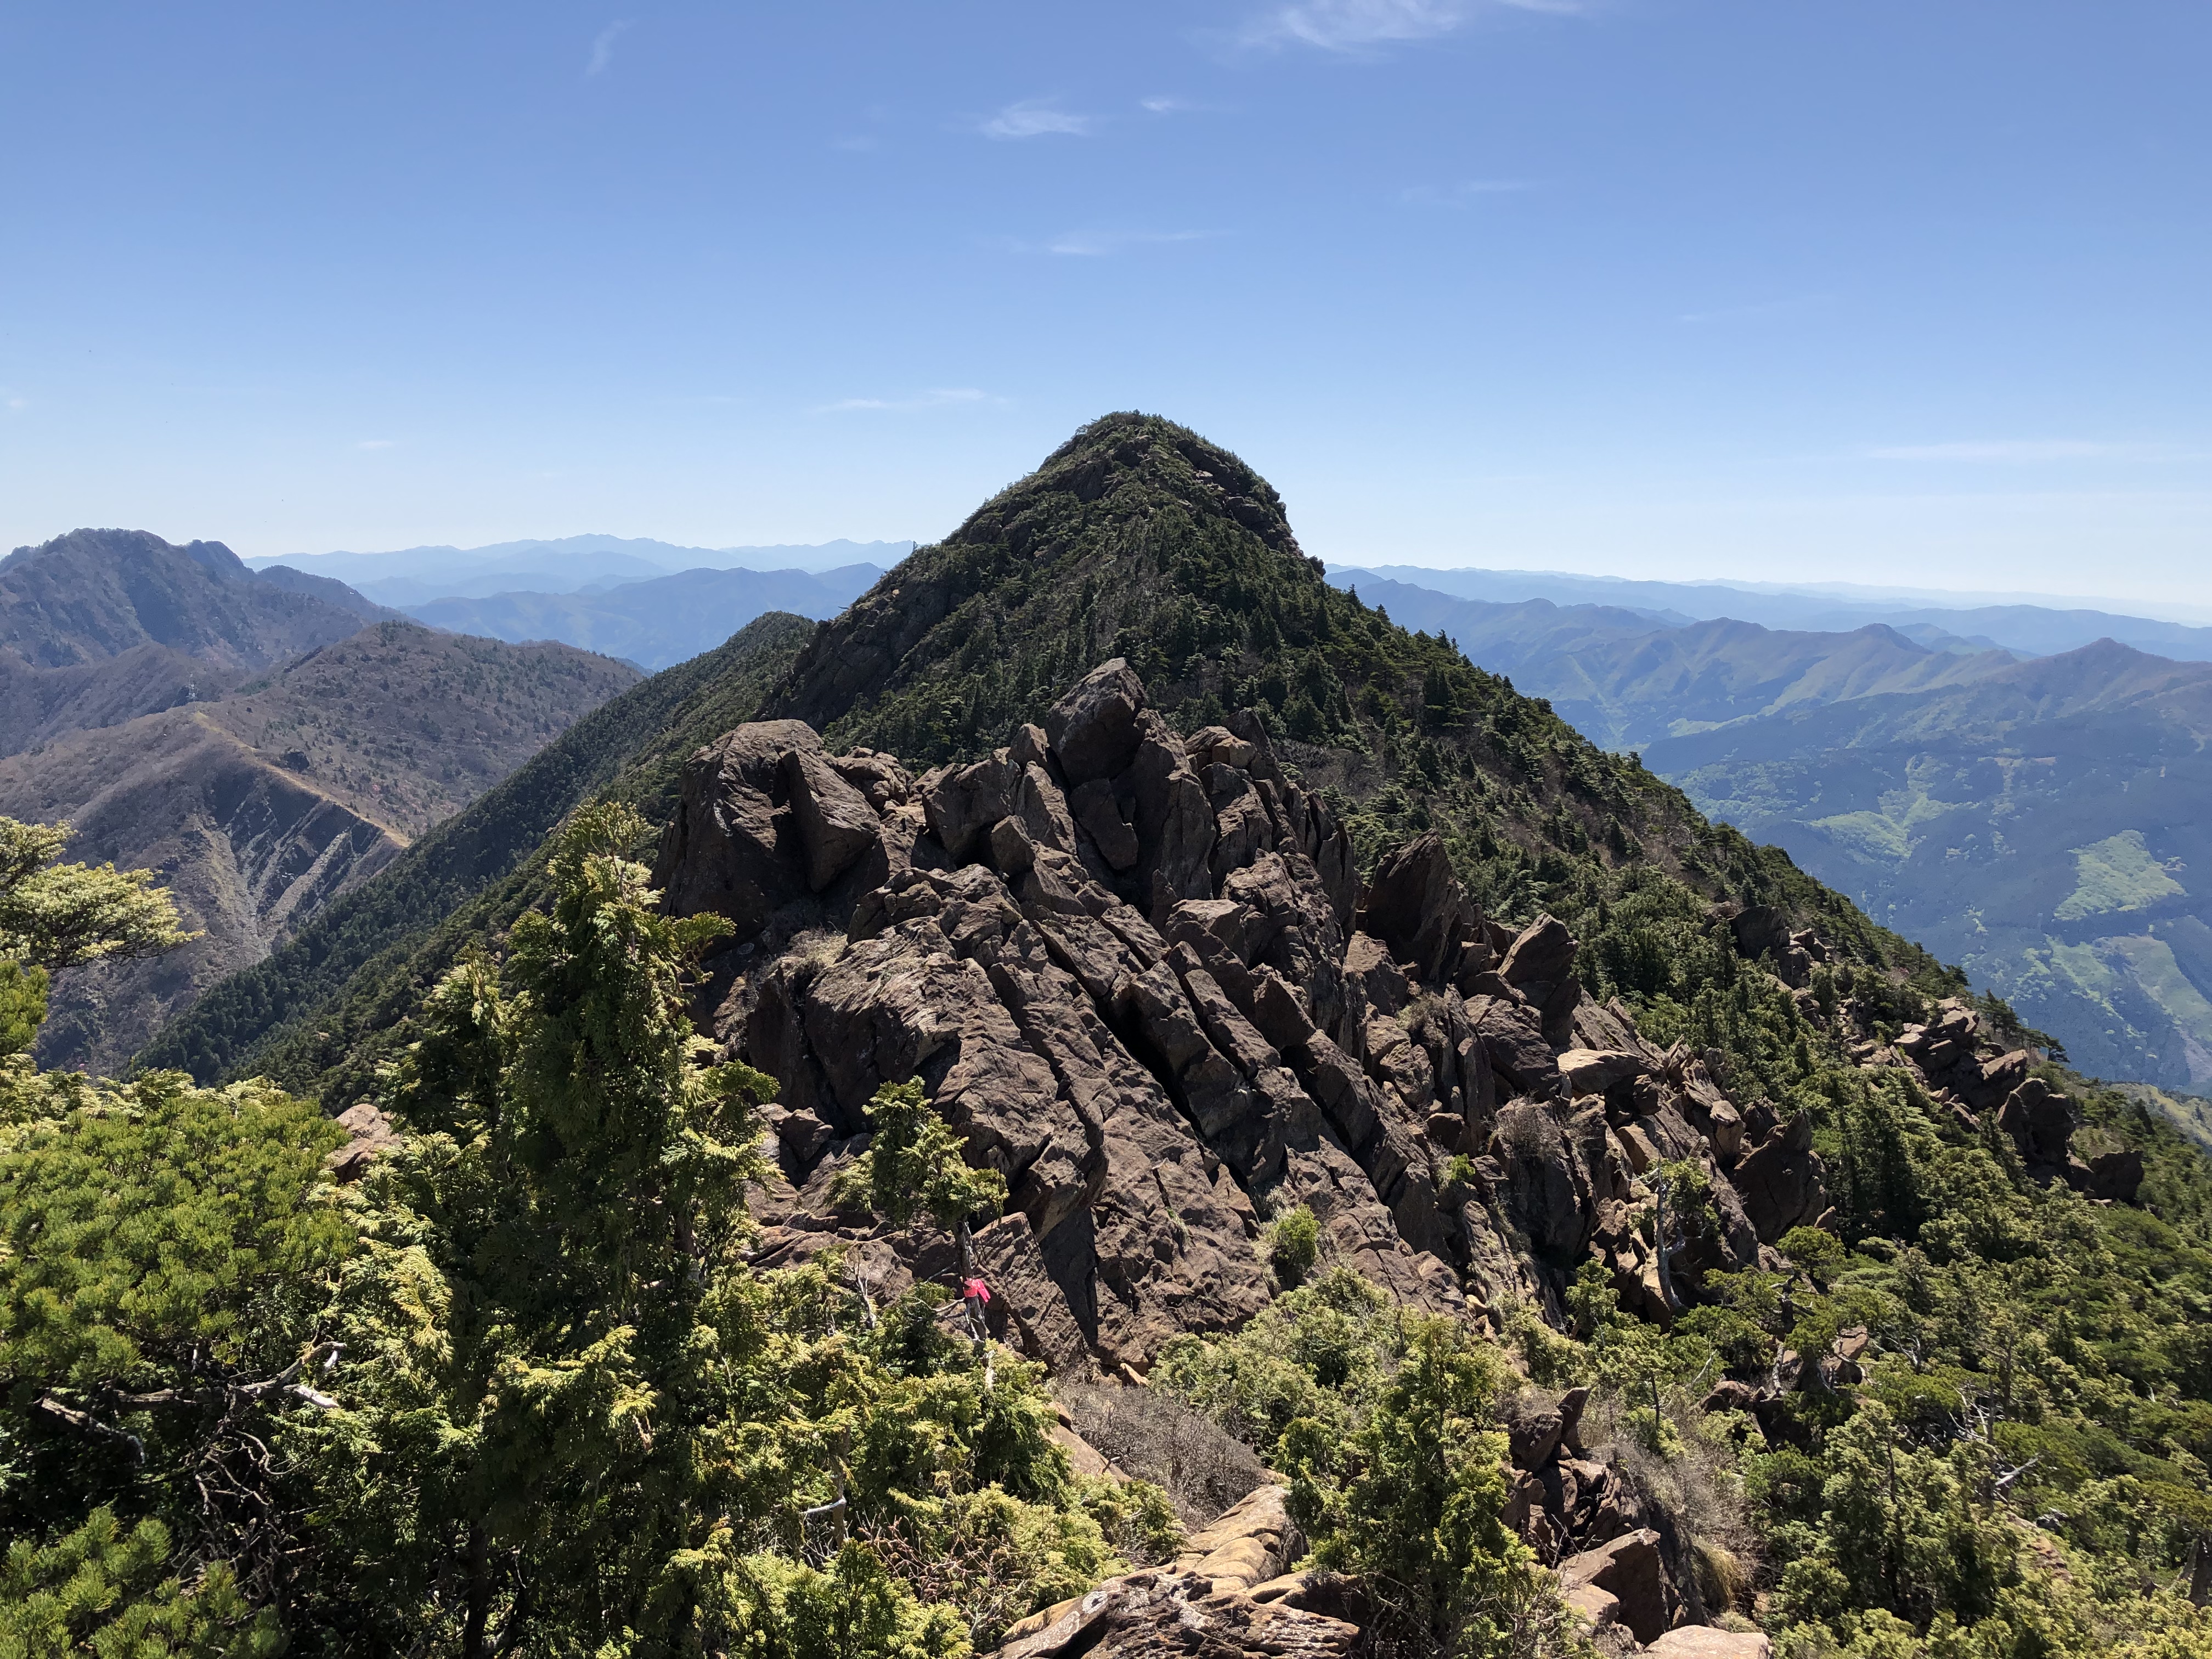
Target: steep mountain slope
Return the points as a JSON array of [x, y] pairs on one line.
[[94, 594], [328, 589], [37, 704], [2043, 826], [654, 624], [100, 626], [343, 979], [1139, 539], [1251, 937], [261, 808], [1628, 679]]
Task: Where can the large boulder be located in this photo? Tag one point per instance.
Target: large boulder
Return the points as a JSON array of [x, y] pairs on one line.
[[1173, 817], [1093, 728], [2116, 1177], [2040, 1122], [1416, 905], [836, 825], [1781, 1181], [963, 802], [1542, 959], [1705, 1642], [734, 845], [1170, 1615], [373, 1136], [1248, 1545], [1629, 1570]]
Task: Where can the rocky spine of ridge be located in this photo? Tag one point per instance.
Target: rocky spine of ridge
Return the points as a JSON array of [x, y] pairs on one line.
[[1140, 975]]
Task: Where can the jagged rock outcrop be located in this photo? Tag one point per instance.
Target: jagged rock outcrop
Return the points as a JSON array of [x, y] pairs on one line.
[[1137, 972], [1964, 1065]]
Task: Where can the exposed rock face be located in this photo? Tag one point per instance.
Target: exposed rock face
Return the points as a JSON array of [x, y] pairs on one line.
[[1964, 1066], [1622, 1581], [1782, 1180], [372, 1138], [1249, 1546], [1136, 973], [1703, 1642]]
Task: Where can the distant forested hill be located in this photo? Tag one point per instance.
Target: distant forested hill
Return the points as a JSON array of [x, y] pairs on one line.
[[1628, 678], [2039, 821], [260, 807], [342, 976], [94, 594]]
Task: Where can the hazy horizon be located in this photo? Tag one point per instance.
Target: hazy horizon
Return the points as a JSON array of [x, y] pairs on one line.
[[1900, 293]]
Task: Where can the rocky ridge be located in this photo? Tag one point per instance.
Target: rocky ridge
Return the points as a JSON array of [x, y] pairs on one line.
[[1140, 972]]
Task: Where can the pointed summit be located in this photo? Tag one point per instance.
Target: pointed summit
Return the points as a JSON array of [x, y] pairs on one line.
[[1136, 537]]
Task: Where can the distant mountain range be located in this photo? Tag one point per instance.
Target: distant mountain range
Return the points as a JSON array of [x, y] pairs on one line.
[[571, 564], [266, 741], [655, 623], [1628, 678], [2037, 628], [2040, 820]]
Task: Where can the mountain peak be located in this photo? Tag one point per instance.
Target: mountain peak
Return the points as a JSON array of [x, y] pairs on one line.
[[1136, 537], [94, 594]]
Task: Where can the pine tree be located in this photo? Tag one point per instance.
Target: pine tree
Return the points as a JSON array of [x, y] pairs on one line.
[[576, 1421]]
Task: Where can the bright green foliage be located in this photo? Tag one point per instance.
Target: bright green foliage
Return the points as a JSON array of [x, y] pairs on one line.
[[57, 915], [165, 1257], [107, 1593], [774, 1608], [914, 1165], [574, 1418], [1899, 1532], [1413, 1502], [1316, 1354], [22, 1007], [1385, 1421], [1293, 1244]]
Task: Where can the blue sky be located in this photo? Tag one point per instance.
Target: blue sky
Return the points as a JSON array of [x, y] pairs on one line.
[[1878, 292]]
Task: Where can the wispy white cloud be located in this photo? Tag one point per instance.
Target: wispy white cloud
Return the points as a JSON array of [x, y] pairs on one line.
[[1035, 117], [1358, 25], [1094, 243], [376, 443], [603, 45], [1460, 194], [2017, 450], [938, 398]]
